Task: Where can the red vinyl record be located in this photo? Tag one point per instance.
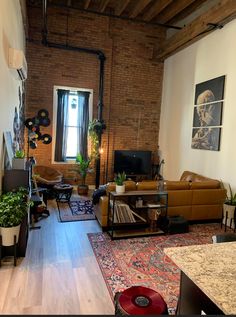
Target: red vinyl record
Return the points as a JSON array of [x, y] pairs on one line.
[[139, 300]]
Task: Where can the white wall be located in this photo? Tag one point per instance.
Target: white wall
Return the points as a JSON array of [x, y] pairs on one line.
[[211, 57], [11, 35]]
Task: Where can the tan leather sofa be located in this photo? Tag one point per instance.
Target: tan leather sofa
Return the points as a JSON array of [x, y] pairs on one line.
[[194, 196]]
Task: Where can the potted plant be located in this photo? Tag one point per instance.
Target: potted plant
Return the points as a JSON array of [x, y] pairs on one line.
[[119, 180], [18, 161], [229, 208], [83, 168], [13, 209]]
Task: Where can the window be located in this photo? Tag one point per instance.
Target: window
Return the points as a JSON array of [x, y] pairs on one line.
[[72, 112]]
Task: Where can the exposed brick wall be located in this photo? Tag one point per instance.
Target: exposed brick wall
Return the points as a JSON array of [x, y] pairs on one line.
[[132, 80]]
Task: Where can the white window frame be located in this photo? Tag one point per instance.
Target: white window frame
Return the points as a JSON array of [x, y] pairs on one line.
[[55, 88]]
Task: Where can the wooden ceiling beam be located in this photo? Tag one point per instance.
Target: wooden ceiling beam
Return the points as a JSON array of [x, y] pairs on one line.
[[156, 9], [184, 13], [103, 5], [173, 9], [222, 13], [139, 7], [86, 4], [121, 6]]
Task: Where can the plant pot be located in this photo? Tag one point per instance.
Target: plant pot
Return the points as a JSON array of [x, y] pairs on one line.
[[18, 163], [82, 190], [120, 189], [8, 235], [230, 219]]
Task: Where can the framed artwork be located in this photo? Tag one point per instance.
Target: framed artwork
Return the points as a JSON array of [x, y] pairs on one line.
[[9, 149], [206, 138], [210, 90], [207, 114]]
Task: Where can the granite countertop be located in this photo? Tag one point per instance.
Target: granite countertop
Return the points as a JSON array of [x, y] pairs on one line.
[[212, 267]]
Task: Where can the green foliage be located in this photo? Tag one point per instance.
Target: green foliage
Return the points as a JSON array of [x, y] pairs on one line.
[[231, 200], [120, 178], [20, 154], [95, 129], [83, 167], [13, 207]]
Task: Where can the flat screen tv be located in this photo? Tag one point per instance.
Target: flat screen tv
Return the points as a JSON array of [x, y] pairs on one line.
[[133, 162]]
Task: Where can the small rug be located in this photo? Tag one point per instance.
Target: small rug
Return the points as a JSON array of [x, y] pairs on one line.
[[142, 261], [76, 210]]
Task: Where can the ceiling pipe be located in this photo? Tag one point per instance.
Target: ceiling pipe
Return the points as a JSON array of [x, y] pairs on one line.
[[101, 56]]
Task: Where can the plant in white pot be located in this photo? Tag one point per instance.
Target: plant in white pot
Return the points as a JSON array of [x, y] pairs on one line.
[[119, 180], [19, 160], [229, 208], [13, 208]]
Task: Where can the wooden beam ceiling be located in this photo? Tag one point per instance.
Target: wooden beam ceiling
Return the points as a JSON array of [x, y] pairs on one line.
[[156, 9], [86, 4], [103, 5], [121, 7], [139, 7], [173, 9], [222, 13]]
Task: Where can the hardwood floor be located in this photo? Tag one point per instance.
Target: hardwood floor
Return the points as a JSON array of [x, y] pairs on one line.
[[58, 275]]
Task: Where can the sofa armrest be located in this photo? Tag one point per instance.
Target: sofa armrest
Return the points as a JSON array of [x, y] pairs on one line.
[[101, 210]]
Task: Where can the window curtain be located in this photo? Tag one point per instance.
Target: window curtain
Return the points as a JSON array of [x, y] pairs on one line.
[[83, 122], [61, 130]]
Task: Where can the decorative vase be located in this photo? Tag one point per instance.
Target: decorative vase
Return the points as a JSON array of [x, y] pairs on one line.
[[8, 235], [230, 209], [82, 190], [18, 163], [120, 189]]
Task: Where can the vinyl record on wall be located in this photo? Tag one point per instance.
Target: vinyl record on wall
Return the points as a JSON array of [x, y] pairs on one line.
[[44, 122], [32, 144], [29, 123], [34, 136], [46, 138], [43, 113]]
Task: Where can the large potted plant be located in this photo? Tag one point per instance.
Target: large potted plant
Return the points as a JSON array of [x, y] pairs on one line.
[[119, 180], [82, 169], [13, 208]]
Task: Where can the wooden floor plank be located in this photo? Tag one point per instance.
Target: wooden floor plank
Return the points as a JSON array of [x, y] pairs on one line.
[[58, 275]]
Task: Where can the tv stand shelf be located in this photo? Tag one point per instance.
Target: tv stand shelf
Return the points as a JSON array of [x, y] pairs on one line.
[[126, 219]]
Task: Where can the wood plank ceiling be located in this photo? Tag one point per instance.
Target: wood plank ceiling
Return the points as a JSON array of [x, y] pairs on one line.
[[186, 21]]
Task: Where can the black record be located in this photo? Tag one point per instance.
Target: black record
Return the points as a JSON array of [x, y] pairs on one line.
[[44, 122], [29, 123], [139, 300], [46, 138], [36, 136], [43, 113], [32, 144]]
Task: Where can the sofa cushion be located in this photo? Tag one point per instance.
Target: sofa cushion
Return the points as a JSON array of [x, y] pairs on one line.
[[175, 185], [147, 185], [187, 176], [205, 184]]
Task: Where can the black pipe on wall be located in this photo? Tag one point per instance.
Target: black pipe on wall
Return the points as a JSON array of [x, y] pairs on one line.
[[101, 56]]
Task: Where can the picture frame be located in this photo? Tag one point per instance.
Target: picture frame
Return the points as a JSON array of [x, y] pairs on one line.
[[206, 138], [207, 114]]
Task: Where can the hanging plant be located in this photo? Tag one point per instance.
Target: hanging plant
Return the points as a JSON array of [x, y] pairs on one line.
[[95, 129]]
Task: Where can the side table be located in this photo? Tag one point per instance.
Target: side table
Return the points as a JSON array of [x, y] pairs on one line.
[[63, 192]]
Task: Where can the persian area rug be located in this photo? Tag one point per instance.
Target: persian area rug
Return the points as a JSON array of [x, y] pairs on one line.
[[142, 261], [76, 210]]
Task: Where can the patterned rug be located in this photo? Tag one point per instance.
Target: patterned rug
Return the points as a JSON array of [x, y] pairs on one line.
[[76, 210], [141, 261]]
